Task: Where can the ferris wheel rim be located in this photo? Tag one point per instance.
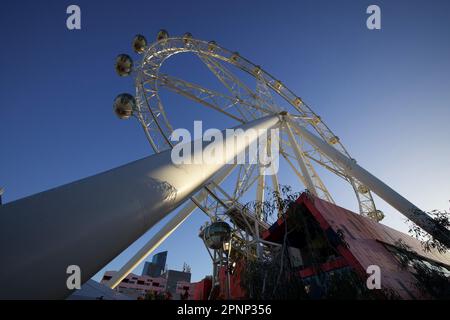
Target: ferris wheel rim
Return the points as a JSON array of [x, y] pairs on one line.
[[190, 49], [176, 45]]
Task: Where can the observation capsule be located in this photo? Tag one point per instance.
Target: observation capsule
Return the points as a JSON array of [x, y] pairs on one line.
[[162, 35], [187, 37], [124, 105], [139, 43], [124, 65], [216, 234]]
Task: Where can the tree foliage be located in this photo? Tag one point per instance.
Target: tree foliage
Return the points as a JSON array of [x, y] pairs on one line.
[[428, 241], [430, 278], [273, 275]]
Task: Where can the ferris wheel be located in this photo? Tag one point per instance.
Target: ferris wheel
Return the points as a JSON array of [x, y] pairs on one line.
[[307, 145], [242, 102], [114, 208]]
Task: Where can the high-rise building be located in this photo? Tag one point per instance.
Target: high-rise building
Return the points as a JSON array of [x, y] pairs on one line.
[[137, 287], [157, 266], [160, 259]]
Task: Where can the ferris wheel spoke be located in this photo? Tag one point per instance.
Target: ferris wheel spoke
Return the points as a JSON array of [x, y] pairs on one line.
[[241, 177], [213, 205], [298, 174], [250, 181], [274, 178], [236, 87], [317, 157], [244, 179], [322, 129], [363, 194], [216, 206], [209, 98], [260, 187], [276, 190], [242, 215], [211, 104], [300, 159], [312, 179], [204, 94], [337, 172], [239, 180], [264, 95], [323, 194], [365, 199], [316, 181], [228, 79]]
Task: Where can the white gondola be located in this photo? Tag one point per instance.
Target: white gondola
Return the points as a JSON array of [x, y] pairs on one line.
[[212, 45], [187, 38], [162, 35], [139, 43], [124, 105], [363, 189], [297, 101], [235, 56], [216, 234], [257, 71], [333, 140], [124, 65], [278, 85]]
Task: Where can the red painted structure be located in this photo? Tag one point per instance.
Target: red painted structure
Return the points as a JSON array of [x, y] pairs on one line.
[[236, 290], [366, 243], [202, 289]]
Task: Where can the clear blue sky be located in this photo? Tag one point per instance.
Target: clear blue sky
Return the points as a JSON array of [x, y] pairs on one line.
[[385, 93]]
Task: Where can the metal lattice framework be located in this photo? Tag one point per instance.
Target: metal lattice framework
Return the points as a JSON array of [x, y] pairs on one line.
[[242, 104]]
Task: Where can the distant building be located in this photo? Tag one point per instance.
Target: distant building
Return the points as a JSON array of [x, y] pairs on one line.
[[92, 290], [173, 277], [156, 279], [157, 266], [137, 287], [184, 290]]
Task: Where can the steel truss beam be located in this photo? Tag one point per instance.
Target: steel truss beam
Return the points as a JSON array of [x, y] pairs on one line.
[[165, 231], [385, 192], [89, 222]]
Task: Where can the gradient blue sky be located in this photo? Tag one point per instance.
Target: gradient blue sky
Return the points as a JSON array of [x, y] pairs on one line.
[[385, 93]]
